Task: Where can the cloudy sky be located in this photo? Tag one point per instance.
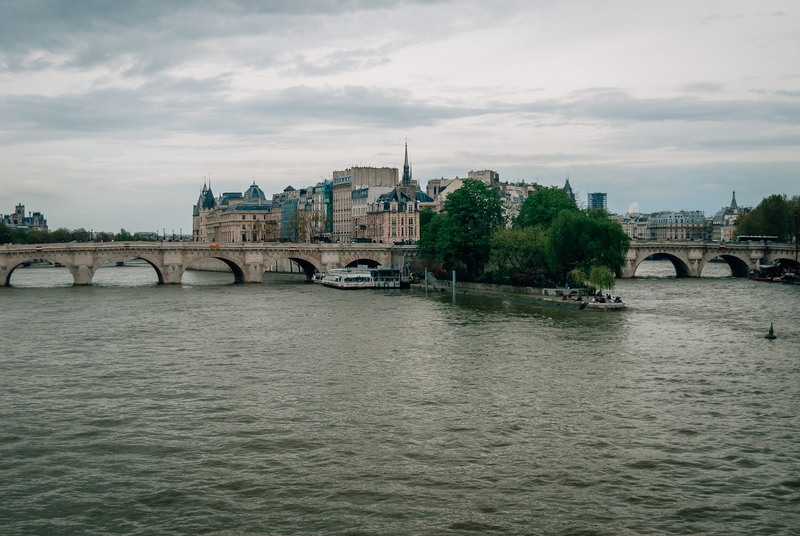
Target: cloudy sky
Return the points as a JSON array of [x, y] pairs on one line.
[[112, 114]]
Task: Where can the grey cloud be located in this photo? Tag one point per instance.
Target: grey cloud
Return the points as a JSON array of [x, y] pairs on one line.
[[342, 61], [200, 106], [203, 106], [719, 18], [152, 35], [616, 105], [703, 87]]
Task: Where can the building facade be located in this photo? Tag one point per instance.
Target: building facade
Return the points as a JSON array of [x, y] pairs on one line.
[[597, 200], [234, 217], [344, 182], [723, 224], [34, 221], [683, 225]]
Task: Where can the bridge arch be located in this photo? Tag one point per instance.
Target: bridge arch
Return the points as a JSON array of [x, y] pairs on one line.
[[739, 267], [117, 257], [9, 270], [236, 266], [363, 262], [680, 265], [309, 264]]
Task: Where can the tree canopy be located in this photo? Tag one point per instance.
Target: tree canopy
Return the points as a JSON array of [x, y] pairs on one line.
[[462, 233], [543, 206], [774, 216], [585, 240], [61, 235], [550, 237], [516, 250]]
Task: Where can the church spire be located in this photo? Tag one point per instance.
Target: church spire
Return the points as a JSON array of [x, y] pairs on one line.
[[406, 168], [733, 201]]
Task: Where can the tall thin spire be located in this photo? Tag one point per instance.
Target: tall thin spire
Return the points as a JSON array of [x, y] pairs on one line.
[[406, 168], [733, 201]]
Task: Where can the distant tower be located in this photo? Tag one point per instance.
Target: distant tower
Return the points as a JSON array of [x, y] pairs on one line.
[[568, 189], [406, 170], [598, 200], [733, 201]]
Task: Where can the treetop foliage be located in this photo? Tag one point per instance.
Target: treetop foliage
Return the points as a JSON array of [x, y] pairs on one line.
[[63, 235], [462, 233], [550, 237], [774, 216], [543, 206]]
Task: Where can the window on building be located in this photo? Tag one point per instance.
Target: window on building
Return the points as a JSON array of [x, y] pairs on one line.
[[243, 216]]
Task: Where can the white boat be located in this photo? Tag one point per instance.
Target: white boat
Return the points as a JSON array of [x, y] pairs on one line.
[[346, 279], [317, 277]]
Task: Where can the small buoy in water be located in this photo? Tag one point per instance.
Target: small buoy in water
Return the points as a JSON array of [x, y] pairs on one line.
[[771, 334]]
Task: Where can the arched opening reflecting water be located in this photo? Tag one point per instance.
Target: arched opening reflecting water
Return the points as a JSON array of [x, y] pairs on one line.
[[657, 266], [363, 262], [208, 272], [289, 269], [128, 272], [717, 267], [40, 273]]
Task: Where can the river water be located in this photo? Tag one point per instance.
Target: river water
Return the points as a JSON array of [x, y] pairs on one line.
[[290, 408]]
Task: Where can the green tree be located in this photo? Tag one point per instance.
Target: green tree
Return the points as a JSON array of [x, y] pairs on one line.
[[583, 240], [425, 217], [543, 206], [602, 277], [123, 236], [6, 236], [462, 234], [427, 245], [576, 276], [516, 250], [102, 236], [774, 216], [81, 235], [61, 234]]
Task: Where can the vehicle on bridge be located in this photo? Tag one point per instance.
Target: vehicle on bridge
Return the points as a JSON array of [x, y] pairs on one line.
[[749, 238]]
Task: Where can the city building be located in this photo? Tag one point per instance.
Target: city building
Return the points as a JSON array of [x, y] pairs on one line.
[[514, 194], [234, 217], [683, 225], [723, 224], [394, 216], [635, 225], [344, 182], [597, 201], [362, 198], [439, 189], [322, 196], [487, 176], [34, 221]]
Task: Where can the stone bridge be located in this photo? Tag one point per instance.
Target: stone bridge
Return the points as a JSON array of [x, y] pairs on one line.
[[248, 262], [689, 258]]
